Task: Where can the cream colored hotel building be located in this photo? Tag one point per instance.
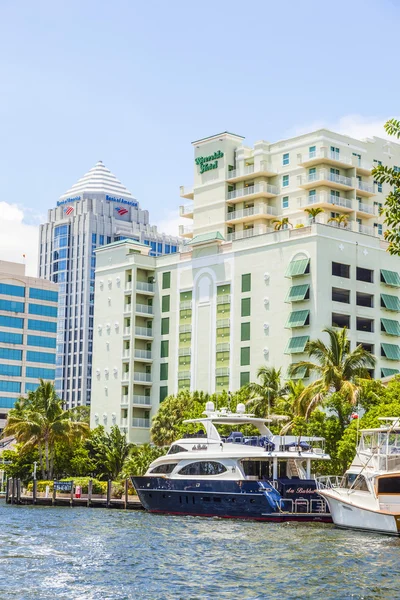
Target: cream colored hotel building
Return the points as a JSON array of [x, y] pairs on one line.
[[239, 294]]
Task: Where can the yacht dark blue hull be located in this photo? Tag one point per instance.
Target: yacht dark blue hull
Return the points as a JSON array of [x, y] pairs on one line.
[[295, 500]]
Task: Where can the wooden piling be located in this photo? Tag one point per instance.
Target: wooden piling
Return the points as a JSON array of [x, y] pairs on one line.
[[13, 491], [53, 498], [71, 500], [126, 493], [109, 484], [90, 491], [18, 491], [34, 493], [8, 490]]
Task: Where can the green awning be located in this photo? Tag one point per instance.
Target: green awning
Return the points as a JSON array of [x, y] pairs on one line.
[[297, 293], [391, 351], [297, 344], [390, 302], [298, 267], [297, 318], [389, 372], [390, 278], [390, 326], [300, 374]]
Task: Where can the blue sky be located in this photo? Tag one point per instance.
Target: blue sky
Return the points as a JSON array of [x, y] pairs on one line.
[[133, 83]]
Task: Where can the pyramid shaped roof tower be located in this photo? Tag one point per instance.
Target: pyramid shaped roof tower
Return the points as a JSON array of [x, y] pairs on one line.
[[98, 180]]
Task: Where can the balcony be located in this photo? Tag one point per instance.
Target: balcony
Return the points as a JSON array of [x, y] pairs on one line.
[[263, 170], [144, 309], [365, 189], [141, 400], [325, 177], [258, 190], [143, 354], [327, 200], [124, 423], [222, 372], [186, 191], [185, 328], [366, 210], [223, 323], [225, 299], [126, 354], [183, 375], [262, 211], [128, 308], [363, 168], [327, 156], [137, 422], [223, 347], [143, 286], [185, 231], [186, 211], [145, 332], [124, 400], [366, 230], [184, 351], [128, 286], [247, 233], [125, 377], [127, 331], [142, 377], [185, 305]]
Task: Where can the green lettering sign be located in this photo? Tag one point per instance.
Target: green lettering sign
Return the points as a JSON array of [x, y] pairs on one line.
[[207, 163]]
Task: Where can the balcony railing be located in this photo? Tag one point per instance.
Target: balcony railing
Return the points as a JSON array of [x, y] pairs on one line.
[[258, 188], [365, 187], [183, 374], [247, 233], [143, 286], [137, 422], [329, 199], [265, 167], [225, 299], [126, 353], [142, 376], [127, 331], [261, 209], [365, 229], [185, 305], [223, 323], [128, 286], [185, 229], [222, 372], [124, 422], [128, 307], [323, 174], [142, 353], [125, 377], [144, 331], [142, 400], [328, 154], [144, 308], [366, 208], [184, 351], [185, 190], [185, 328], [186, 210], [223, 347], [124, 400]]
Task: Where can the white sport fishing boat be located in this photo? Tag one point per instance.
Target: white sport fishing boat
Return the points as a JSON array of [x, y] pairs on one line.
[[368, 495]]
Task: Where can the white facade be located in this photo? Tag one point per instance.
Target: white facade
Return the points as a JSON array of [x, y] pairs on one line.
[[96, 211], [28, 321], [234, 300]]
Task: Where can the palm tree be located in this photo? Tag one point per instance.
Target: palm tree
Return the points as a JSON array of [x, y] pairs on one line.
[[341, 220], [141, 458], [282, 223], [40, 421], [113, 452], [295, 402], [337, 368], [265, 394], [313, 213]]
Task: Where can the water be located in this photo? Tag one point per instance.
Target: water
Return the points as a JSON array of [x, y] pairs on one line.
[[109, 554]]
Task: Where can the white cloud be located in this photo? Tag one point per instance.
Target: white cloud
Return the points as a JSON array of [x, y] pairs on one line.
[[18, 237], [170, 222], [356, 126]]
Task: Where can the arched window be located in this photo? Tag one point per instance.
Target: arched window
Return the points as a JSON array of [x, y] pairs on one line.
[[165, 469], [203, 468]]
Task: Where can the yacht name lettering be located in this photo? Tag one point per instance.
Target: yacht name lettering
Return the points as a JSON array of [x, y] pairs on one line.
[[300, 490]]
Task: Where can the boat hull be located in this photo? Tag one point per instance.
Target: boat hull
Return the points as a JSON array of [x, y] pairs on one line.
[[224, 499], [349, 516]]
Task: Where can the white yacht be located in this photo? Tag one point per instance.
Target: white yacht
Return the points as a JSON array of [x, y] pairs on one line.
[[368, 495], [264, 477]]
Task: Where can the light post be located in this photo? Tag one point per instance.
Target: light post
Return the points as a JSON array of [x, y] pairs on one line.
[[34, 470]]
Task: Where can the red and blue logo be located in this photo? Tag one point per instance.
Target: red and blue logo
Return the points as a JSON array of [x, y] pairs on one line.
[[68, 210], [121, 210]]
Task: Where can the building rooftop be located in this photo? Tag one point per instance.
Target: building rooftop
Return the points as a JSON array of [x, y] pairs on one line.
[[204, 238], [98, 180]]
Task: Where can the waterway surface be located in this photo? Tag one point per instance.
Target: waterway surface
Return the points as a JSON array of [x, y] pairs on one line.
[[71, 553]]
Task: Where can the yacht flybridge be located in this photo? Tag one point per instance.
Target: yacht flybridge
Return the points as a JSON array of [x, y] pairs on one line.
[[264, 477], [368, 495]]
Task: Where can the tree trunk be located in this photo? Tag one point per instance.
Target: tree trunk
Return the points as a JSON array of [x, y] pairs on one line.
[[41, 459], [46, 450], [51, 463]]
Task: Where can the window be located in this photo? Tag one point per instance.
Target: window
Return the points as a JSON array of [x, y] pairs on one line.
[[285, 202], [297, 293], [48, 326], [363, 324], [38, 373], [246, 306], [312, 151], [10, 354], [390, 302], [167, 249], [379, 228], [10, 338], [262, 469], [163, 392], [391, 278], [366, 275], [164, 348], [246, 282], [10, 370], [163, 371], [244, 378], [298, 267], [203, 468], [165, 469], [298, 318], [285, 159], [165, 326], [11, 306], [165, 304], [42, 309], [341, 321], [364, 300], [339, 295], [14, 322], [285, 181], [7, 403], [47, 295], [245, 331], [335, 152], [159, 247], [41, 341], [12, 290], [390, 351], [297, 344], [340, 270], [367, 347], [41, 357], [390, 326], [245, 356], [10, 386], [166, 280]]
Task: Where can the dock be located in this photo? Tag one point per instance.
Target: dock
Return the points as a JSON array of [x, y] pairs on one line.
[[15, 494]]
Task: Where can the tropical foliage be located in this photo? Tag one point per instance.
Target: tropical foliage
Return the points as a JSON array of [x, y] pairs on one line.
[[281, 223], [340, 220], [313, 213], [263, 395]]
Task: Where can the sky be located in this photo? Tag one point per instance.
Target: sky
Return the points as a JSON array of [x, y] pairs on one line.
[[134, 83]]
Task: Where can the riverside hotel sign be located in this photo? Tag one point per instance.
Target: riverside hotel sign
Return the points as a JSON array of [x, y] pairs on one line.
[[207, 163]]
